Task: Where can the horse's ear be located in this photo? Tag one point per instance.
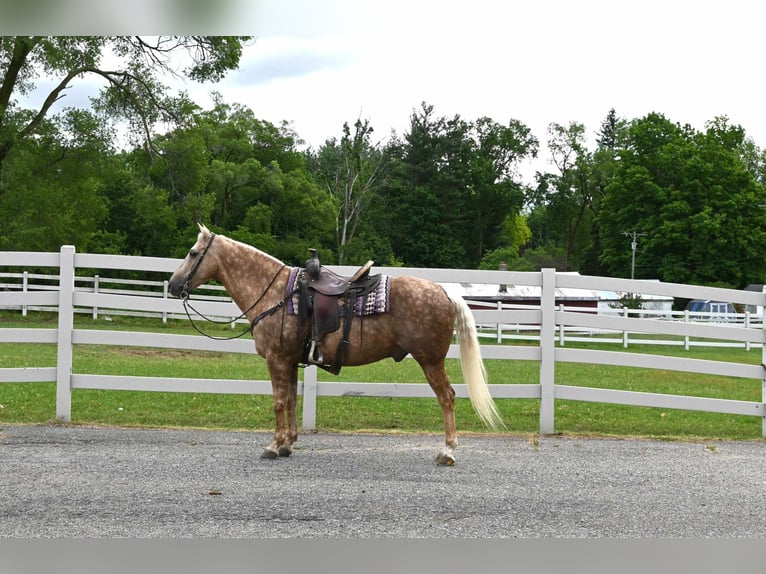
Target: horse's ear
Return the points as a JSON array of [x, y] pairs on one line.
[[202, 228]]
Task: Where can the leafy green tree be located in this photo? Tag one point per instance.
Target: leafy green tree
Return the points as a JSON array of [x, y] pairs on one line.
[[452, 185], [422, 208], [55, 166], [567, 195], [241, 175], [133, 87], [604, 162], [52, 185], [240, 151], [694, 197], [495, 195], [181, 167], [515, 235], [141, 219]]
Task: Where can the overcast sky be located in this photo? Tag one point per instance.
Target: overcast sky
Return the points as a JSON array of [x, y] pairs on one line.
[[319, 63]]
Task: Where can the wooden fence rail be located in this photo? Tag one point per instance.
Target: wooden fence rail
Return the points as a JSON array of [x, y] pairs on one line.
[[549, 318]]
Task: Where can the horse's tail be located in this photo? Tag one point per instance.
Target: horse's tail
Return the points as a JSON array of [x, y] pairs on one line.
[[474, 374]]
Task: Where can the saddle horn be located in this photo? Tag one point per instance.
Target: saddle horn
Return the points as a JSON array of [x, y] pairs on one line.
[[313, 267]]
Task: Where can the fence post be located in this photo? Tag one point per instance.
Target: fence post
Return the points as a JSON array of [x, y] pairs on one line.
[[310, 397], [763, 398], [499, 325], [95, 290], [687, 317], [165, 301], [24, 289], [763, 380], [547, 350], [626, 314], [561, 327], [65, 327]]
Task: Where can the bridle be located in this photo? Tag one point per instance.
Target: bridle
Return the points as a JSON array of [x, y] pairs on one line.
[[185, 296]]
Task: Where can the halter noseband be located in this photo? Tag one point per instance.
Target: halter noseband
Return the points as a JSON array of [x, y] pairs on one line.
[[185, 289]]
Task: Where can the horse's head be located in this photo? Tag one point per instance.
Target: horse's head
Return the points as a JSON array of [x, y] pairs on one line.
[[199, 266]]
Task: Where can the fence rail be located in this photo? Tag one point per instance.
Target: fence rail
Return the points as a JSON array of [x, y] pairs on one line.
[[524, 326], [547, 324]]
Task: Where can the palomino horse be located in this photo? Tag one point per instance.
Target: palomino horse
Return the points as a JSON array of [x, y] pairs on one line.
[[420, 322]]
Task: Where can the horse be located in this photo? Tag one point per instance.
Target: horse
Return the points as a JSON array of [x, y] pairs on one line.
[[420, 321]]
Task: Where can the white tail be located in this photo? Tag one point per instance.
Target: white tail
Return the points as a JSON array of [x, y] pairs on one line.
[[474, 374]]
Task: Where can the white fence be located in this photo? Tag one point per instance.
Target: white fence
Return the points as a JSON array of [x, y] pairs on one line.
[[583, 334], [549, 321], [24, 281]]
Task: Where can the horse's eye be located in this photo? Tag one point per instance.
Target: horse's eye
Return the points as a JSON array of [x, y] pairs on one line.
[[193, 253]]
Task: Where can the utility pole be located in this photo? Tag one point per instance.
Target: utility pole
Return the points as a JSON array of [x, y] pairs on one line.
[[634, 243]]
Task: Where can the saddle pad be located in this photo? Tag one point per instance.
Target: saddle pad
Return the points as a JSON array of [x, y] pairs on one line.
[[377, 300]]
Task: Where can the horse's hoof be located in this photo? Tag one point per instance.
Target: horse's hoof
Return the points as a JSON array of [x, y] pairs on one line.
[[443, 459], [269, 454], [285, 451]]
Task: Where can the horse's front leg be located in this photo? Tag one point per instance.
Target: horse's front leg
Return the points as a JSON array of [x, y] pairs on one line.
[[280, 373], [292, 421]]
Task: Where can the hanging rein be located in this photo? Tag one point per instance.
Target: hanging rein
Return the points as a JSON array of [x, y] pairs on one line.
[[185, 296]]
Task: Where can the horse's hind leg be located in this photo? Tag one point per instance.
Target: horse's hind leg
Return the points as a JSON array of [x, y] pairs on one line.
[[437, 378]]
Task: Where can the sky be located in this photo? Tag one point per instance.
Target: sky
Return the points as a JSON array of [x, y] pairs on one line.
[[320, 63]]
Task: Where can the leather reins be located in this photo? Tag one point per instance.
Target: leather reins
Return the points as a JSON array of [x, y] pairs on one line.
[[185, 296]]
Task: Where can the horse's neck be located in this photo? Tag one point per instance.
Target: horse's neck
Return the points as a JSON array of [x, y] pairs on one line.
[[248, 273]]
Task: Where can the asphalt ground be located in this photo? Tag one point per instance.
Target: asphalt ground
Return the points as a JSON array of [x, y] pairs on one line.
[[72, 482]]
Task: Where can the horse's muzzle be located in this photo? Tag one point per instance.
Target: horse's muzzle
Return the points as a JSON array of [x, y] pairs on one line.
[[178, 288]]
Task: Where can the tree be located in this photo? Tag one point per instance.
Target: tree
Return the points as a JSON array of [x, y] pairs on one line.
[[421, 202], [610, 139], [694, 197], [452, 186], [52, 185], [58, 166], [130, 67], [515, 235], [564, 201], [237, 149], [226, 168], [495, 195], [612, 134], [351, 170]]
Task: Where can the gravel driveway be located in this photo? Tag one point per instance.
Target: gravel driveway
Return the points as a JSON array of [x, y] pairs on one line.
[[73, 481]]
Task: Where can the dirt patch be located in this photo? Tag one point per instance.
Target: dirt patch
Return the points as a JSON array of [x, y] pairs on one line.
[[163, 353]]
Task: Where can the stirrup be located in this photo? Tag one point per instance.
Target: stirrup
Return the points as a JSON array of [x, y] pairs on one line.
[[315, 356]]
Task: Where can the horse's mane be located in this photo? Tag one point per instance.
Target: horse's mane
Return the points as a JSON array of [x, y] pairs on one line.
[[205, 231]]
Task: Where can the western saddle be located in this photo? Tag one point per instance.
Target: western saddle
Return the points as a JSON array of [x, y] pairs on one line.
[[324, 298]]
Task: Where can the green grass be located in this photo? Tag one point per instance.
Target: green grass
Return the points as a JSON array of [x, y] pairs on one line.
[[35, 402]]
